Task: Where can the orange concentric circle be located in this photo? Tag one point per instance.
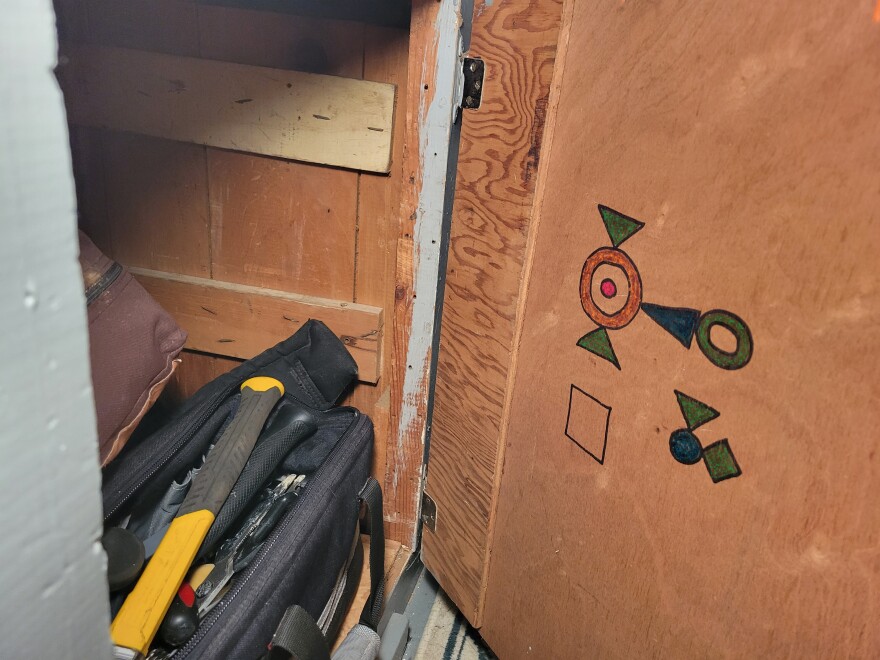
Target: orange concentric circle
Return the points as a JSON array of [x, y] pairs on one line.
[[626, 313]]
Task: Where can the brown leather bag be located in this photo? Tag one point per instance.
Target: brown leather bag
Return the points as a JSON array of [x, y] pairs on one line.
[[133, 344]]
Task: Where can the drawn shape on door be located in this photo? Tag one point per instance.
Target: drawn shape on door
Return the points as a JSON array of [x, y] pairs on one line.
[[686, 448], [680, 322], [619, 226], [720, 461], [587, 423], [740, 356], [598, 343], [695, 413], [600, 297]]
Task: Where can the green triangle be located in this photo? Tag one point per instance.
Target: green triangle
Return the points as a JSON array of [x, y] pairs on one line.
[[695, 413], [598, 343], [619, 226]]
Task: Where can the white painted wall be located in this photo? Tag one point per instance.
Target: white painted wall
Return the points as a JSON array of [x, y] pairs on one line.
[[53, 600]]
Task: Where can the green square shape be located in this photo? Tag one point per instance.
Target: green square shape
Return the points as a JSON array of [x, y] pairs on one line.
[[720, 461]]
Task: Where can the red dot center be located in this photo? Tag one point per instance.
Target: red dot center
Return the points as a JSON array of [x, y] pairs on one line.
[[608, 288]]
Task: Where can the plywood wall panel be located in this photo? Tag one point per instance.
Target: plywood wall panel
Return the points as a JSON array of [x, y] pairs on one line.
[[744, 139], [495, 186], [378, 227], [157, 203], [282, 225]]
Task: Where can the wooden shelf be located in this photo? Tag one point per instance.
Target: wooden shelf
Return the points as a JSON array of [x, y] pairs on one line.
[[307, 117], [241, 321]]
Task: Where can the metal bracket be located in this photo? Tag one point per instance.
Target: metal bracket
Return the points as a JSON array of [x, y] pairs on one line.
[[474, 70], [429, 512]]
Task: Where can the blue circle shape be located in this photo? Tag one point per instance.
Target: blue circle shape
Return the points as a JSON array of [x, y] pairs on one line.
[[685, 446]]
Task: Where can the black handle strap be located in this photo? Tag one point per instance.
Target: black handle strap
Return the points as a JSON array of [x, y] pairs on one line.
[[371, 497], [298, 637]]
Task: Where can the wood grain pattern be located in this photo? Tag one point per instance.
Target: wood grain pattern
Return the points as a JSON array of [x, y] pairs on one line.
[[376, 235], [157, 193], [495, 184], [745, 138], [241, 321], [403, 478], [300, 116], [268, 219], [282, 225]]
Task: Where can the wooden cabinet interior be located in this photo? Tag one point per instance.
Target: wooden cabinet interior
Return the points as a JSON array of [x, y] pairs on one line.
[[324, 238]]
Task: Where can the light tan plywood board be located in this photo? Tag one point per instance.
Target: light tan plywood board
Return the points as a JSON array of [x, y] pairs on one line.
[[282, 225], [745, 138], [242, 321], [495, 184], [299, 116]]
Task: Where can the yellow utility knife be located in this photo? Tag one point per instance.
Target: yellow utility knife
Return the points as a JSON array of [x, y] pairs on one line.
[[137, 622]]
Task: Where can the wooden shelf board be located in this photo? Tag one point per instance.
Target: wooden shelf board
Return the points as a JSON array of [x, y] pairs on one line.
[[241, 321]]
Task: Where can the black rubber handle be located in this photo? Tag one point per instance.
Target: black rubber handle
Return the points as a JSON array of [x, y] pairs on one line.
[[226, 460], [267, 455]]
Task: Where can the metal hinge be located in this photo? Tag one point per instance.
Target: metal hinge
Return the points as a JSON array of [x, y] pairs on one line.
[[473, 72], [429, 512]]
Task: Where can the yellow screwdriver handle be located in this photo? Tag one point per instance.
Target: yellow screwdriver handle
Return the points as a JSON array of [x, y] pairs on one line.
[[137, 622], [141, 614]]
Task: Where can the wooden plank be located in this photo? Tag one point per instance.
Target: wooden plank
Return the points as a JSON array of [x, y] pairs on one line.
[[241, 321], [282, 225], [746, 140], [495, 184], [432, 63], [396, 556], [378, 229], [299, 116], [157, 203]]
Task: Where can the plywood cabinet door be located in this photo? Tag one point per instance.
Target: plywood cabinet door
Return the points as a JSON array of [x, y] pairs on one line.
[[694, 421], [671, 432]]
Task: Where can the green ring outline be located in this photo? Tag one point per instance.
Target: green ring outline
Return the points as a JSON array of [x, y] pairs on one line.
[[744, 344]]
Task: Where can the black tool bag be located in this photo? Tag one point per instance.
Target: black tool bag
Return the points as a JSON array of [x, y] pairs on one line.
[[313, 556]]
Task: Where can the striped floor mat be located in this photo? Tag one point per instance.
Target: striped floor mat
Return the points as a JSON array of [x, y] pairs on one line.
[[448, 636]]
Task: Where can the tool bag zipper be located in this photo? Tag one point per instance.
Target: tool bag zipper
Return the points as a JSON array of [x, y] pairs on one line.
[[95, 290], [165, 458], [240, 582]]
